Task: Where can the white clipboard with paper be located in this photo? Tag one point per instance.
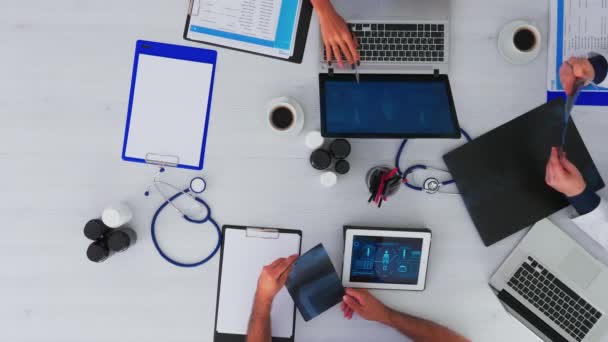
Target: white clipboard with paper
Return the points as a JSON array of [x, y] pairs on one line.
[[245, 251]]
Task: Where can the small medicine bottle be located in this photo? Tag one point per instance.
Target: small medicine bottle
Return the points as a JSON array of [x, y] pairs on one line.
[[328, 179], [314, 140], [320, 159], [342, 167], [121, 239], [116, 215], [95, 229], [340, 148], [98, 251]]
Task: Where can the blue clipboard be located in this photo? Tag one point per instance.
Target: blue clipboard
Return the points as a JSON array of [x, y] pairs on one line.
[[169, 105]]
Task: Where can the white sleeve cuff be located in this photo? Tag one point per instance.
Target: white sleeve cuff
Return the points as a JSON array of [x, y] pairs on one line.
[[595, 224]]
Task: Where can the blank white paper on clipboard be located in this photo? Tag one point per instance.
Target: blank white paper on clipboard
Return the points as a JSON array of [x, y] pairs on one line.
[[168, 115], [243, 259]]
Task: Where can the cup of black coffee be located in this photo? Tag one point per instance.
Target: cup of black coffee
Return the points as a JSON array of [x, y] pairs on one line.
[[525, 39], [284, 116], [519, 42]]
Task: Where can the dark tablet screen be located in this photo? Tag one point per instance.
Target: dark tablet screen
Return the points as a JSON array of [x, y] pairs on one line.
[[387, 106]]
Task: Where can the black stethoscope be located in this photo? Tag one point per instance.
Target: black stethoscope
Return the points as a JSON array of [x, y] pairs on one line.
[[197, 186], [431, 185]]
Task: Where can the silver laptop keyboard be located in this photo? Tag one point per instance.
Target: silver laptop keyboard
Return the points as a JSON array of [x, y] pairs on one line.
[[554, 299], [399, 43]]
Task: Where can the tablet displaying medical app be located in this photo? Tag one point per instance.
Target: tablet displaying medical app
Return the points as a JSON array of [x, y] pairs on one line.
[[386, 260], [377, 259]]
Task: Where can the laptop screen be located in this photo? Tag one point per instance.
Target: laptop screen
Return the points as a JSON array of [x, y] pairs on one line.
[[387, 106]]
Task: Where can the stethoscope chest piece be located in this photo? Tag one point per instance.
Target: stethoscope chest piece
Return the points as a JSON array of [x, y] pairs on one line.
[[198, 185], [431, 185]]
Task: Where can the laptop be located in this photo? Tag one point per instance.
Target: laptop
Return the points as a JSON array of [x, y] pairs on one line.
[[554, 287], [403, 89], [398, 37]]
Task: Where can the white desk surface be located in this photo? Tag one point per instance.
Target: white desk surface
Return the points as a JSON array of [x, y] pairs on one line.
[[66, 68]]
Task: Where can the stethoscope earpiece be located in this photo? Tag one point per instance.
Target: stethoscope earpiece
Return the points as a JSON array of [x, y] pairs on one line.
[[197, 186]]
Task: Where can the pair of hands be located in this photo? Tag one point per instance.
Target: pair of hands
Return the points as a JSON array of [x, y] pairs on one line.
[[574, 69], [273, 278], [337, 37]]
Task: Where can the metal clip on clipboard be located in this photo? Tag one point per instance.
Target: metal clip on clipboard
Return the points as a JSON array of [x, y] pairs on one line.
[[162, 159], [262, 233]]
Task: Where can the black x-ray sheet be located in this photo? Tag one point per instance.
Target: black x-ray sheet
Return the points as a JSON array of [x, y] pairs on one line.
[[314, 284]]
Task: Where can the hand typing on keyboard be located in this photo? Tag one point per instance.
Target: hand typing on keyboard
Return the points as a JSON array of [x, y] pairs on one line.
[[336, 35]]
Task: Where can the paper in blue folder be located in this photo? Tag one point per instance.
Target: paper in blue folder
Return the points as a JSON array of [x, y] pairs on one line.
[[169, 105], [568, 38]]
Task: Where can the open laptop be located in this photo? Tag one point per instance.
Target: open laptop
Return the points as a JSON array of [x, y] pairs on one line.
[[403, 90], [405, 36], [554, 287]]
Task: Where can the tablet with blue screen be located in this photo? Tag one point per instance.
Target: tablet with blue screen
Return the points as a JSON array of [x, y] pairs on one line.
[[386, 259], [387, 106]]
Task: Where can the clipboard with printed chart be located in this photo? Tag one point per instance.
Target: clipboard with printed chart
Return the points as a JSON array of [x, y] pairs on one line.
[[271, 28], [577, 29]]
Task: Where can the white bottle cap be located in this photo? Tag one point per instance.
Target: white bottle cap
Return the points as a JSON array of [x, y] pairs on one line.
[[314, 140], [116, 215], [328, 179]]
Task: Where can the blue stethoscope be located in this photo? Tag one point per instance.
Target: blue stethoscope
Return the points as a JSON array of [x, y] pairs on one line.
[[197, 186], [430, 185]]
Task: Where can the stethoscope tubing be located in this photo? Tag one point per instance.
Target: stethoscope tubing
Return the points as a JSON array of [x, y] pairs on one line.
[[415, 167], [207, 218]]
